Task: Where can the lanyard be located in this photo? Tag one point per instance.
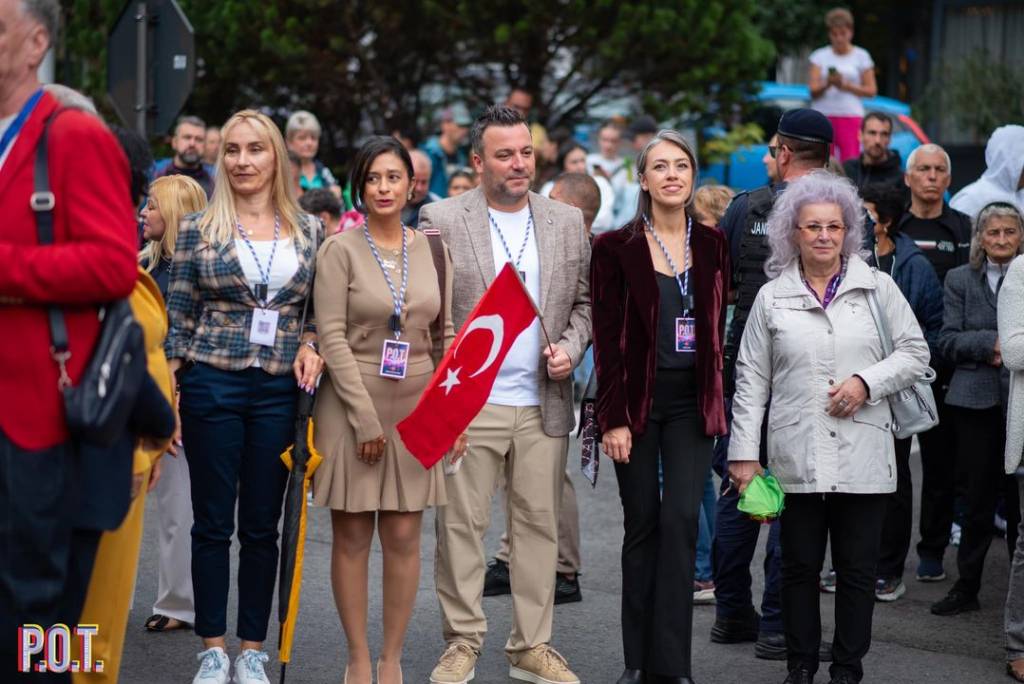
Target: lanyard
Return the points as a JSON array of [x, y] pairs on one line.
[[261, 291], [501, 236], [684, 281], [398, 298], [19, 121]]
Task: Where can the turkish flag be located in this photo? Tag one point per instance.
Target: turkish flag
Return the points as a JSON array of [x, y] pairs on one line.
[[462, 383]]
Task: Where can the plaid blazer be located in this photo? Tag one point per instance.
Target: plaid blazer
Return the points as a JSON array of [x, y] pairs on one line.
[[210, 304]]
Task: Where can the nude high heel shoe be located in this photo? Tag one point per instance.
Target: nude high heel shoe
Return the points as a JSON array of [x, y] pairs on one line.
[[400, 677]]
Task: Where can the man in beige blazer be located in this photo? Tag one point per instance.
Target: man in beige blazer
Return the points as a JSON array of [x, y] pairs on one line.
[[523, 429]]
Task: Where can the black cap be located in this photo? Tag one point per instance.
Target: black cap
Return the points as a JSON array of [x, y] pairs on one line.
[[642, 124], [808, 125]]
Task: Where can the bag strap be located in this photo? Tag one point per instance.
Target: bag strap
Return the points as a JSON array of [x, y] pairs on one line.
[[42, 202], [312, 276], [880, 323], [433, 236]]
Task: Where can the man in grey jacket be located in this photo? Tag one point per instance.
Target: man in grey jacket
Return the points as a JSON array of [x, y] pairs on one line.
[[523, 429]]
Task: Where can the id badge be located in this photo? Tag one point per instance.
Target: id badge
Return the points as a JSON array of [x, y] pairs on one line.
[[686, 335], [264, 327], [394, 359]]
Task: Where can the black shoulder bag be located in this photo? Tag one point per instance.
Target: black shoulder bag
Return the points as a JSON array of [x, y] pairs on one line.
[[98, 408]]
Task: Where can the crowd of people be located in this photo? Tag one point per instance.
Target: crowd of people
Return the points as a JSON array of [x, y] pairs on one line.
[[726, 336]]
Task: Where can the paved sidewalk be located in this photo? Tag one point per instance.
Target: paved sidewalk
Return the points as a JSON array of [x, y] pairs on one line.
[[910, 645]]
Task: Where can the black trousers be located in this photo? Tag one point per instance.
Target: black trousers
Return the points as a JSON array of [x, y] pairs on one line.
[[45, 563], [981, 437], [938, 477], [899, 517], [235, 424], [854, 524], [660, 540]]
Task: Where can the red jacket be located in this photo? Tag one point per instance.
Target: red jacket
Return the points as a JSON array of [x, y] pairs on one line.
[[91, 261], [625, 303]]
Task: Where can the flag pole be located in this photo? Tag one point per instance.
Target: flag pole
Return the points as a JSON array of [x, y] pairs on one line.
[[543, 328]]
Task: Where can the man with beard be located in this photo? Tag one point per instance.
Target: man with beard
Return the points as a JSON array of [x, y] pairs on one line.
[[877, 164], [189, 145], [523, 430]]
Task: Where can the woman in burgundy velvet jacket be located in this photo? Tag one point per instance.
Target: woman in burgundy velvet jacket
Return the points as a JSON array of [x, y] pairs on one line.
[[658, 336]]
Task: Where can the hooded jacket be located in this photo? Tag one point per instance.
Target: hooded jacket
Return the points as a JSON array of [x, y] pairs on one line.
[[889, 172], [1004, 159], [916, 278]]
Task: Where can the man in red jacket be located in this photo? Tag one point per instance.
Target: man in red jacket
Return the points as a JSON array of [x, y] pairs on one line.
[[45, 562]]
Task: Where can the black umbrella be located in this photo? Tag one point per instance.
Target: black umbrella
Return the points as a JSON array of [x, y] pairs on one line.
[[301, 459]]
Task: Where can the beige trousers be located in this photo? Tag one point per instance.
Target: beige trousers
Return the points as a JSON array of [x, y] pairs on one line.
[[534, 468], [569, 562]]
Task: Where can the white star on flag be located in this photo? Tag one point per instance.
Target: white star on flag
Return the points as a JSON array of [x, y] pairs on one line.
[[451, 381]]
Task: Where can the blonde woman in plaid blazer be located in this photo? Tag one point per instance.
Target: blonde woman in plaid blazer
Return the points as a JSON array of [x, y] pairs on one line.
[[242, 271]]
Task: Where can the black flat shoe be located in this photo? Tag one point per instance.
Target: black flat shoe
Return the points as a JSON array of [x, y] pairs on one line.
[[632, 677], [660, 679], [567, 590], [497, 581], [770, 646], [799, 675], [736, 630], [956, 602]]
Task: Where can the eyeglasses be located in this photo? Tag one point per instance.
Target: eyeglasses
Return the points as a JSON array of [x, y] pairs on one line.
[[773, 150], [816, 228]]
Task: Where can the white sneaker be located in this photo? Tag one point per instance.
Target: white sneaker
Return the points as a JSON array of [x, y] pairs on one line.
[[249, 667], [214, 667]]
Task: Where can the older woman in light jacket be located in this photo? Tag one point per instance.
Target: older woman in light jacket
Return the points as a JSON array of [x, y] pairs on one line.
[[1011, 337], [811, 346]]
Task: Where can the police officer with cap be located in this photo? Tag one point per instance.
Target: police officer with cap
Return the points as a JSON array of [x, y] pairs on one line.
[[804, 140]]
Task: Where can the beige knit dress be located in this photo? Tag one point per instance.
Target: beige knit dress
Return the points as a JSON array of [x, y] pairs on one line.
[[354, 403]]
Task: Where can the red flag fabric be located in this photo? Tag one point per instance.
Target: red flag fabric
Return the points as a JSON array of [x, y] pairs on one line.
[[463, 380]]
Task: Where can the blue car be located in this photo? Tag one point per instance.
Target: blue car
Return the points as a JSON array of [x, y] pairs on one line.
[[744, 169]]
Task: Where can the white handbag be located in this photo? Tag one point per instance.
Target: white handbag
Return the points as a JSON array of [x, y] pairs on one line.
[[913, 408]]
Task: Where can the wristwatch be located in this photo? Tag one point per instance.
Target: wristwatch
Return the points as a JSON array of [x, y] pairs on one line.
[[312, 345]]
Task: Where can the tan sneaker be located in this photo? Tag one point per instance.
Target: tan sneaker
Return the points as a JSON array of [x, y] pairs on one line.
[[541, 665], [456, 665]]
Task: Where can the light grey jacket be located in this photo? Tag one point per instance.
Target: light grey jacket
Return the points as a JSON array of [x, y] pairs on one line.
[[1011, 344], [564, 253], [793, 351]]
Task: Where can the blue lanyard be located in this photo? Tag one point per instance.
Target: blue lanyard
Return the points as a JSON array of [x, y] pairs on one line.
[[684, 281], [526, 238], [398, 298], [19, 121], [262, 291]]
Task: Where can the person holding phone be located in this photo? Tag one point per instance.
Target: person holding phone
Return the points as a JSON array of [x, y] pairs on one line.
[[841, 74]]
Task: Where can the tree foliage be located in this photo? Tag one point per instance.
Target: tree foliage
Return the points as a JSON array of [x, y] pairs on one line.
[[370, 65]]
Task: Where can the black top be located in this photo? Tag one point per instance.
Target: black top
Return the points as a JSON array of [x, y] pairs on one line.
[[670, 308], [886, 262], [935, 240]]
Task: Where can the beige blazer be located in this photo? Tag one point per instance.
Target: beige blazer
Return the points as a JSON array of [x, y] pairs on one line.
[[564, 253]]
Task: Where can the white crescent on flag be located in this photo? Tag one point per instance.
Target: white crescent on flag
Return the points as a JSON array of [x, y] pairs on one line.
[[496, 325]]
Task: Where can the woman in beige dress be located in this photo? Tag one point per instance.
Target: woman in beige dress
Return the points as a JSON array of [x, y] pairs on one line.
[[377, 299]]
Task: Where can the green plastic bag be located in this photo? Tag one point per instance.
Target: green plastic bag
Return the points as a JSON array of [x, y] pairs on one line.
[[763, 499]]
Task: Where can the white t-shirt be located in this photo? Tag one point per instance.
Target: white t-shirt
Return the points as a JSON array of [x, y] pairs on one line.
[[286, 263], [835, 102], [614, 169], [517, 383], [5, 123]]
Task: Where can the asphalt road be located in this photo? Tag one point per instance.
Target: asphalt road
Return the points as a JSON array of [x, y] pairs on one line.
[[910, 645]]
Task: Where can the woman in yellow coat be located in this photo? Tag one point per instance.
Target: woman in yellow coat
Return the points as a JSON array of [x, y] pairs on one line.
[[113, 575]]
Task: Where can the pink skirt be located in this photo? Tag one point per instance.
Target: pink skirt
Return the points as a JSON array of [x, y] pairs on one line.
[[844, 137]]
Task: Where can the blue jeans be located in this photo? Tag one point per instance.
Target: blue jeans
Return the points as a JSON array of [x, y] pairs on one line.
[[707, 531], [733, 549], [235, 424]]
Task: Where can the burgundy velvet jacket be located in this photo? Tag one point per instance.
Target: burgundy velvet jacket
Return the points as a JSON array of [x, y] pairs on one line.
[[625, 301]]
